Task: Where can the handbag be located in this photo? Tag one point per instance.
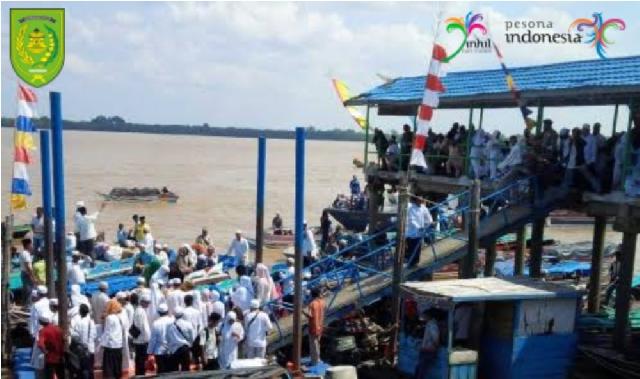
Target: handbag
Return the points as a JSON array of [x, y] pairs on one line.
[[134, 331]]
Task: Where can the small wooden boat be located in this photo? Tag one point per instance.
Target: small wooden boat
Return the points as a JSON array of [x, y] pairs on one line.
[[140, 194], [279, 240]]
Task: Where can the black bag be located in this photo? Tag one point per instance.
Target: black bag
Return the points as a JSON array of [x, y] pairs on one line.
[[134, 331]]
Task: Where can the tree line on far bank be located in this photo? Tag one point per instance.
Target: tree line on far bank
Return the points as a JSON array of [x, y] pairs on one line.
[[118, 124]]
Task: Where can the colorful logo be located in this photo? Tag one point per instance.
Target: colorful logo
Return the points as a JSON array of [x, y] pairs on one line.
[[37, 44], [467, 25], [595, 31]]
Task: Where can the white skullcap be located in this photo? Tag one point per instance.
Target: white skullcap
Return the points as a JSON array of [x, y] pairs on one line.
[[238, 231], [231, 315], [179, 312], [45, 318], [103, 285], [121, 295], [165, 246], [79, 203], [75, 253], [291, 260], [177, 281], [34, 292], [306, 275], [140, 280], [145, 297], [304, 222], [158, 246], [53, 301], [163, 308], [255, 304], [42, 290]]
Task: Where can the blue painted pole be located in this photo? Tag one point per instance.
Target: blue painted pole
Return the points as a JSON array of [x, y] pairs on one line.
[[45, 163], [299, 227], [58, 186], [262, 169]]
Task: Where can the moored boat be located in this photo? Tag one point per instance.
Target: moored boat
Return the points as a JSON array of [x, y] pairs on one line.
[[357, 219], [140, 194]]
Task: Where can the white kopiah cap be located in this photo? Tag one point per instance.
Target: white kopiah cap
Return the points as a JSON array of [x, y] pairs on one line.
[[255, 304], [163, 308]]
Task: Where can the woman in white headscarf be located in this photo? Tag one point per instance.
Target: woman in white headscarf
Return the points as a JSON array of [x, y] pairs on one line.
[[157, 298], [77, 298], [216, 306], [264, 284], [231, 333], [243, 295]]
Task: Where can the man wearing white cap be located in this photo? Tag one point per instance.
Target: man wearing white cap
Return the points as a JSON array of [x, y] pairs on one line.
[[158, 345], [180, 337], [175, 297], [99, 302], [51, 343], [76, 273], [83, 331], [232, 333], [40, 307], [140, 323], [127, 308], [239, 248], [257, 326]]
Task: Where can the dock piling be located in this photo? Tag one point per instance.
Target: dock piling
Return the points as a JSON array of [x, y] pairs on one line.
[[595, 280], [623, 291], [537, 236], [299, 230], [262, 158], [398, 263], [521, 245], [59, 196], [490, 259], [473, 219], [45, 163]]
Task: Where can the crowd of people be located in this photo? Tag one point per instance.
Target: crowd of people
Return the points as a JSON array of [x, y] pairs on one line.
[[164, 324], [582, 155]]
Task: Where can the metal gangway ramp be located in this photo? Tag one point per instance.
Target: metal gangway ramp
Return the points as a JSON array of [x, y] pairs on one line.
[[361, 273]]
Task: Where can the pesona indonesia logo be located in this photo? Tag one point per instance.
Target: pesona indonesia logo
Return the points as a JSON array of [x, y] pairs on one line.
[[467, 26], [595, 31]]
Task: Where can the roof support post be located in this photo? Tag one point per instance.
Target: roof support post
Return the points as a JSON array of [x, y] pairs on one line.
[[490, 259], [615, 120], [481, 117], [623, 291], [626, 161], [366, 139], [595, 280], [540, 116], [398, 263], [473, 219], [467, 161]]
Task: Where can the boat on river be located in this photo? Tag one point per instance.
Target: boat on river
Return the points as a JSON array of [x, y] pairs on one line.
[[140, 194]]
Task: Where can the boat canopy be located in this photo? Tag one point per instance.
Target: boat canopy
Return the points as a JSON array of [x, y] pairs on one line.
[[588, 82], [488, 289]]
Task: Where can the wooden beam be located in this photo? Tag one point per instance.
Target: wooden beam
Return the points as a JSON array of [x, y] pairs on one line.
[[535, 255], [521, 241], [490, 259], [473, 219], [623, 292], [398, 264]]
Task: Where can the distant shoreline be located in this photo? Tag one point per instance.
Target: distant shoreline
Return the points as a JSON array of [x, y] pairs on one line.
[[118, 125]]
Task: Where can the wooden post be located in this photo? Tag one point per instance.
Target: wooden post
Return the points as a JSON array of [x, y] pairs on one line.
[[535, 256], [7, 236], [521, 241], [467, 160], [373, 207], [615, 120], [366, 140], [481, 117], [540, 116], [623, 291], [398, 264], [626, 160], [473, 219], [490, 259], [595, 280]]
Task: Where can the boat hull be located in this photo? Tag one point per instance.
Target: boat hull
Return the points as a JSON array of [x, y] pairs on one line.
[[357, 220]]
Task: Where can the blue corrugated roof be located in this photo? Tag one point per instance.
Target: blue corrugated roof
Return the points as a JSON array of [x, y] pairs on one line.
[[596, 79]]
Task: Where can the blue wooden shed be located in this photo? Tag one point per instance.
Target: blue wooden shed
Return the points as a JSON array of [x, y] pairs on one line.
[[524, 328]]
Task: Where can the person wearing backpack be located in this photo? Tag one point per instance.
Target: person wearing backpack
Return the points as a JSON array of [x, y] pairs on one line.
[[140, 331], [83, 340], [180, 337], [257, 326]]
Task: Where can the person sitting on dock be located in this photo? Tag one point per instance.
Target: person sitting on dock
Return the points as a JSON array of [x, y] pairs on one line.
[[186, 260], [239, 248], [203, 238], [276, 224]]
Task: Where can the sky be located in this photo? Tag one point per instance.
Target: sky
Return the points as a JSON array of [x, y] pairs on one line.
[[269, 65]]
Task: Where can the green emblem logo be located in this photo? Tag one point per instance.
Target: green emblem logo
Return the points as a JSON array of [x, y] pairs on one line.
[[37, 44]]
